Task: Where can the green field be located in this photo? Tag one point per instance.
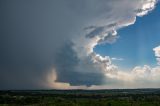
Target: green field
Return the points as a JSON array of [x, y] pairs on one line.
[[117, 97]]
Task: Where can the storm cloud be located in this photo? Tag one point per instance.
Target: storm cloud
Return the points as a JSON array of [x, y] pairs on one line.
[[37, 36]]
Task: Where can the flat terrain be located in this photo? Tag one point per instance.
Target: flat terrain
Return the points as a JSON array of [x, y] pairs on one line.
[[115, 97]]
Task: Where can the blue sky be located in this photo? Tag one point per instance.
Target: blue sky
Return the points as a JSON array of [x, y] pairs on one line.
[[136, 42]]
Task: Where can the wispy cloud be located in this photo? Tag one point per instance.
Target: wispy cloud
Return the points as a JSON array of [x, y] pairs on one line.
[[117, 59]]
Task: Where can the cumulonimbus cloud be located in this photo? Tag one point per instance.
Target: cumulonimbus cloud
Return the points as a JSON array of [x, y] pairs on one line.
[[102, 29], [66, 32], [106, 18]]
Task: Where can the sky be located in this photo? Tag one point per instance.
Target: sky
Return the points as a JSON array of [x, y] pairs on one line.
[[135, 41], [79, 44]]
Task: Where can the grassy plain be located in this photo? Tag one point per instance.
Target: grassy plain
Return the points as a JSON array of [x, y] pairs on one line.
[[115, 97]]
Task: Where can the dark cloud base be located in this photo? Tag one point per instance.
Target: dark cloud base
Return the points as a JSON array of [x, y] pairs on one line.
[[66, 62]]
